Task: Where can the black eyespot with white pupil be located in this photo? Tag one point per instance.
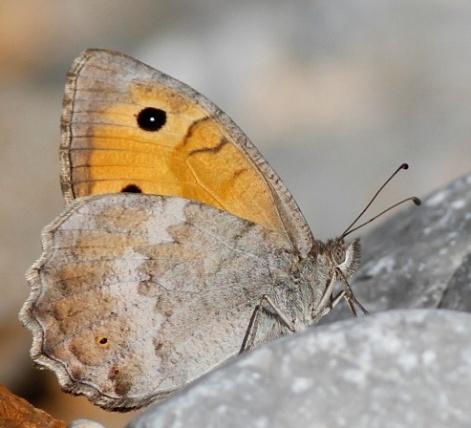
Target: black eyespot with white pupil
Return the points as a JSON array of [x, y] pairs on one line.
[[151, 119]]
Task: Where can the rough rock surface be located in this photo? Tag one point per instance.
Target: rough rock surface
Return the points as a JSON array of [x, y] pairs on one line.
[[419, 258], [398, 368], [85, 423], [457, 294]]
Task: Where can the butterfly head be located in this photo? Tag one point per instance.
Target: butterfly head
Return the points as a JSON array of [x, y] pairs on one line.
[[339, 254]]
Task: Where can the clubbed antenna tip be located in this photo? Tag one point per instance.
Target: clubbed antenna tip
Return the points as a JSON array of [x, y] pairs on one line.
[[414, 199]]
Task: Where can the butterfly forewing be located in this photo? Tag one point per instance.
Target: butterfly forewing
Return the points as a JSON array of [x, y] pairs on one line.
[[128, 127]]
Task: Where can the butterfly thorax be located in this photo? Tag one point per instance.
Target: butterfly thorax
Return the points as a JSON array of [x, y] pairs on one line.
[[304, 293]]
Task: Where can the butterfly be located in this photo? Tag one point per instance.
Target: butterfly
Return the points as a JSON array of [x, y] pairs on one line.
[[179, 246]]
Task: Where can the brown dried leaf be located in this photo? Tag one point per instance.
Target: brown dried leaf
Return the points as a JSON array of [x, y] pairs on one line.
[[15, 412]]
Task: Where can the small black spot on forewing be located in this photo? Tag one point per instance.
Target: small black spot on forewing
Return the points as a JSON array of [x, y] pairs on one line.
[[131, 188]]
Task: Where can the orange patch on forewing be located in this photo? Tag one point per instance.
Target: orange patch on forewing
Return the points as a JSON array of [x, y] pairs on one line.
[[190, 156]]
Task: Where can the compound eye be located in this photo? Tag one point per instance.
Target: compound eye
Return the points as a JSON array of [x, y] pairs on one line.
[[339, 255]]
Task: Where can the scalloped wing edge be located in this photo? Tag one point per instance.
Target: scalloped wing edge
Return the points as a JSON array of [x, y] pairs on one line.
[[28, 319]]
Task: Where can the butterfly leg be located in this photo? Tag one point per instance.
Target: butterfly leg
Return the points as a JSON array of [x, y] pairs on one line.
[[349, 296], [328, 301], [251, 332], [325, 299], [334, 301]]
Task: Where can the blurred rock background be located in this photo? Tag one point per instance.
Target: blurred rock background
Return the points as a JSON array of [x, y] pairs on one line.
[[335, 94]]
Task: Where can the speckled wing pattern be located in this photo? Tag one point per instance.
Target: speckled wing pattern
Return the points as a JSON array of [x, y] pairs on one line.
[[136, 295]]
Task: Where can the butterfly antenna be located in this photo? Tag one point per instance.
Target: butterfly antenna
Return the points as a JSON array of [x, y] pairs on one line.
[[416, 200]]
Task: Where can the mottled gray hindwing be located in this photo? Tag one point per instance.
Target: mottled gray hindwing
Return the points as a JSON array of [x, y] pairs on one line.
[[136, 295]]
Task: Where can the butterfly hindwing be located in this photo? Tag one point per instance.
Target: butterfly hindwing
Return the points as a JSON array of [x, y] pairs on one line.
[[136, 295]]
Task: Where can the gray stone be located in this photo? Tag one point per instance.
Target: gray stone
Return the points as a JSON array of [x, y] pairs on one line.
[[457, 293], [394, 369], [85, 423], [419, 258]]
